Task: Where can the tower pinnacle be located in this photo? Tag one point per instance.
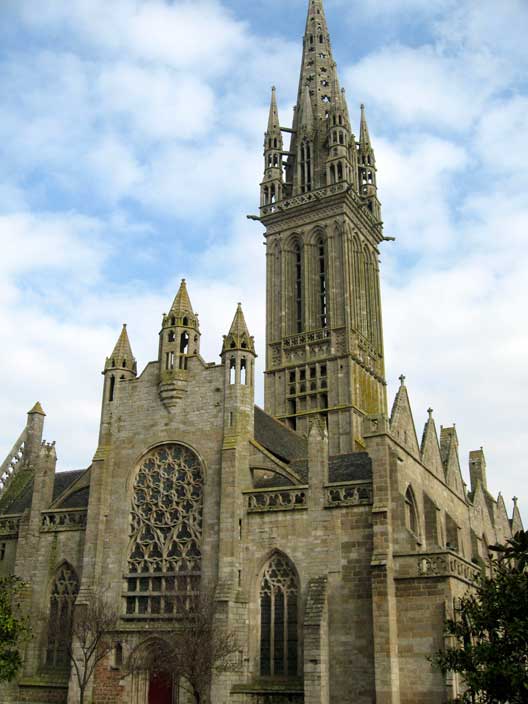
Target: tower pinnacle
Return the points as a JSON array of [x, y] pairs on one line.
[[122, 356], [238, 336], [182, 302]]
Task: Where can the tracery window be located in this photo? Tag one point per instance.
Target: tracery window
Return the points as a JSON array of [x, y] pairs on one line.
[[62, 599], [164, 563], [279, 619]]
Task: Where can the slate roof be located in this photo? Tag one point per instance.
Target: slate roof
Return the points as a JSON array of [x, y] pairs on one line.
[[282, 442], [354, 467], [62, 481]]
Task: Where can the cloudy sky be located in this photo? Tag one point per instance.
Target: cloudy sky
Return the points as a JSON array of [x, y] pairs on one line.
[[131, 151]]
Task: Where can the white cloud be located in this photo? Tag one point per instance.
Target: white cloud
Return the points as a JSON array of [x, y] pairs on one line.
[[424, 85]]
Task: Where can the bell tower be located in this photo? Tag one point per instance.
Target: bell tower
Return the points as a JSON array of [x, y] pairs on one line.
[[324, 330]]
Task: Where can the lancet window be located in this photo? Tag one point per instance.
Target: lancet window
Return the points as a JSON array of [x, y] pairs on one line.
[[164, 563], [411, 512], [306, 166], [298, 288], [62, 600], [279, 594]]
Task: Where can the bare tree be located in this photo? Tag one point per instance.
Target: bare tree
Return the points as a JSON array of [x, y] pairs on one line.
[[192, 646], [84, 639]]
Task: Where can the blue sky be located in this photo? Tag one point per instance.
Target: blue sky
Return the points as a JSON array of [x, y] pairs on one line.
[[131, 151]]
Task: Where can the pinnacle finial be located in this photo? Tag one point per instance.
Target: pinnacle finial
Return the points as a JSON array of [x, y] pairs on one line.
[[273, 119], [37, 409], [122, 356], [430, 411], [182, 302], [402, 379], [515, 500], [364, 135], [238, 336]]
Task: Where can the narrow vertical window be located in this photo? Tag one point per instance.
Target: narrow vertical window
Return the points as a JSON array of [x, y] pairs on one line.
[[323, 301], [306, 166], [112, 389], [298, 289], [232, 371], [279, 619], [243, 372], [411, 512]]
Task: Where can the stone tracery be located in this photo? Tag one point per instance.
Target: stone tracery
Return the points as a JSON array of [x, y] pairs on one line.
[[164, 563]]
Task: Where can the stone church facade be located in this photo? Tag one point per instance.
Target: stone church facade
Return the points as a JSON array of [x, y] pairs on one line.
[[337, 539]]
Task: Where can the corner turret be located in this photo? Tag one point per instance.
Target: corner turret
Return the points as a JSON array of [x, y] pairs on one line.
[[120, 367], [238, 356], [179, 341]]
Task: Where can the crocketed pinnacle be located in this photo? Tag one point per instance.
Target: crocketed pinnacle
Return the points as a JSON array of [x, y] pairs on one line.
[[238, 337], [122, 356], [182, 302]]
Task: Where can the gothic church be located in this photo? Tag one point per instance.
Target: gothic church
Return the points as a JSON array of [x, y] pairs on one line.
[[336, 537]]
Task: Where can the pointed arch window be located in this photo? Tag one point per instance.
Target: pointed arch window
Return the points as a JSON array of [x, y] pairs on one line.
[[64, 592], [298, 288], [411, 512], [164, 559], [279, 595], [323, 300]]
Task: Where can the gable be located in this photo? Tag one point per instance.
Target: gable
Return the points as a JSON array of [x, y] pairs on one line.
[[430, 450], [402, 422]]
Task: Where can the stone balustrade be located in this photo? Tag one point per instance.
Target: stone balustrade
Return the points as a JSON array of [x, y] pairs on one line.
[[65, 519], [9, 525], [442, 563], [277, 500], [348, 494]]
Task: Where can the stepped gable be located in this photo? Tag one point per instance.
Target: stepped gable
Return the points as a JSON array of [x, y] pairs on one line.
[[430, 448], [282, 442], [402, 422], [63, 480], [451, 461]]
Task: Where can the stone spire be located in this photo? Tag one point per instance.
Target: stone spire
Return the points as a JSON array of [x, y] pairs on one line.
[[273, 119], [320, 105], [364, 136], [182, 302], [238, 337], [122, 356], [367, 168]]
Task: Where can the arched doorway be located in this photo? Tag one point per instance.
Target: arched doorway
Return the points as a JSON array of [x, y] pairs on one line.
[[161, 689]]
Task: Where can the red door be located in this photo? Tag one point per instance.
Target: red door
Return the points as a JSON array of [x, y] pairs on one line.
[[160, 688]]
